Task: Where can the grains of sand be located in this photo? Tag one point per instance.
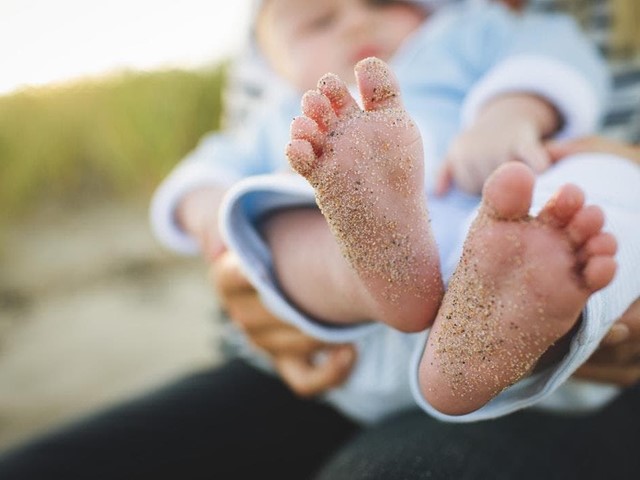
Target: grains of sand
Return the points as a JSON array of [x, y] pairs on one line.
[[480, 345], [368, 204]]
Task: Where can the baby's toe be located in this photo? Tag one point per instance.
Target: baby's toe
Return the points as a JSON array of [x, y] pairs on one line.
[[598, 272], [332, 87], [317, 107], [507, 192], [586, 223], [301, 156], [377, 84], [303, 128], [563, 206]]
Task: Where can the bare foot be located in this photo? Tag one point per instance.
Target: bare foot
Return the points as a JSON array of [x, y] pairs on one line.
[[366, 167], [520, 286]]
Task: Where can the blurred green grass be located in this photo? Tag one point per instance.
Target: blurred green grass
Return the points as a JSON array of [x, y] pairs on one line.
[[95, 139]]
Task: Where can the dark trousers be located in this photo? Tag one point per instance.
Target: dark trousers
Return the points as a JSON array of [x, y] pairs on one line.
[[526, 445], [231, 422], [237, 422]]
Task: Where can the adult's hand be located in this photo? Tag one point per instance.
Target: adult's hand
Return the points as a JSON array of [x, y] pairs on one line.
[[617, 361], [593, 144], [308, 366]]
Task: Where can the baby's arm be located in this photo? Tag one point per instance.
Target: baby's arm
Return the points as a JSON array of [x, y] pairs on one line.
[[184, 207], [509, 127], [558, 73]]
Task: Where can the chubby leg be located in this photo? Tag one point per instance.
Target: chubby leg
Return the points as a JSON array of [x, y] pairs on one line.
[[520, 286], [366, 166]]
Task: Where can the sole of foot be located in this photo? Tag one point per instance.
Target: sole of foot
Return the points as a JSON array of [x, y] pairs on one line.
[[520, 286], [366, 166]]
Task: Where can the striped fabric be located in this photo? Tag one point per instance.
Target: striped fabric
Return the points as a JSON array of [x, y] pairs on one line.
[[622, 120]]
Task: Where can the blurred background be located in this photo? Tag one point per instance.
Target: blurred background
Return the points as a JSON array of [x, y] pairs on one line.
[[98, 101]]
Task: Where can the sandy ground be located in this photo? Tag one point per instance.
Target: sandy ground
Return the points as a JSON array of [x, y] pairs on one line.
[[93, 310]]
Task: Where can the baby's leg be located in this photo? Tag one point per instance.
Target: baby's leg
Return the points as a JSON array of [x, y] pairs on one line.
[[520, 286], [366, 167]]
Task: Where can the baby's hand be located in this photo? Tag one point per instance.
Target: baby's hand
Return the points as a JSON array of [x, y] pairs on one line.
[[197, 215], [511, 127], [478, 151]]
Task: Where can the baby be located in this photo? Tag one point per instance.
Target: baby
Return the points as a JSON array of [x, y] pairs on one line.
[[521, 283], [455, 63]]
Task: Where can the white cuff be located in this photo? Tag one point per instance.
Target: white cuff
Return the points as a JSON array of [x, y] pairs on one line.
[[187, 177], [242, 208], [527, 392], [560, 84]]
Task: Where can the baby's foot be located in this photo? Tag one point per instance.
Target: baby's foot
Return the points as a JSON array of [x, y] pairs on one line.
[[520, 286], [366, 166]]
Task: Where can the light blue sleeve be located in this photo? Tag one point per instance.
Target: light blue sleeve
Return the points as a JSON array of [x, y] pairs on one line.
[[544, 54], [219, 160], [237, 154]]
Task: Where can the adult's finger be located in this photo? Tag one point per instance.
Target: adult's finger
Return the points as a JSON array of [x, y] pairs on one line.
[[626, 329], [284, 340], [618, 333], [307, 378], [623, 376], [621, 355], [226, 275], [239, 298], [557, 150], [248, 312]]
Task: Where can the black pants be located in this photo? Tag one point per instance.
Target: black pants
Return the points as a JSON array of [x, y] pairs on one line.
[[527, 445], [237, 422], [232, 422]]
